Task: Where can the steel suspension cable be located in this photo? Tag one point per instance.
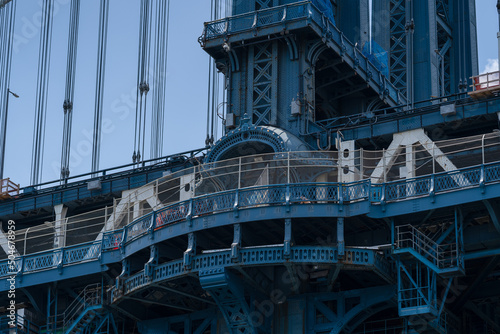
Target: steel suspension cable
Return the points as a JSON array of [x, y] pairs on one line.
[[100, 75], [142, 79], [70, 86], [42, 91], [160, 68], [7, 21]]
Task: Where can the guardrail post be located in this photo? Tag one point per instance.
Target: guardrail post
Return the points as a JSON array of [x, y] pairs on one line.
[[124, 240], [190, 251], [382, 197], [287, 197], [482, 179], [239, 173], [189, 215], [236, 204], [432, 189], [20, 272], [152, 225], [288, 168], [61, 261], [341, 197]]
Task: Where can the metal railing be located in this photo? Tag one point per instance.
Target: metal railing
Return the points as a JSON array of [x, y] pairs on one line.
[[307, 11], [272, 195], [220, 178], [18, 325], [257, 19], [486, 81], [8, 188], [239, 175], [91, 295], [442, 256]]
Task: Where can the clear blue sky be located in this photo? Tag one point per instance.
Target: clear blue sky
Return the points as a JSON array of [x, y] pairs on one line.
[[185, 126]]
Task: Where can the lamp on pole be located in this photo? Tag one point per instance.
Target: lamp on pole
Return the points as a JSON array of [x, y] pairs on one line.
[[4, 131]]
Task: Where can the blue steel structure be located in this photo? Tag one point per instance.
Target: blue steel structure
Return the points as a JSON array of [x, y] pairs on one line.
[[334, 203]]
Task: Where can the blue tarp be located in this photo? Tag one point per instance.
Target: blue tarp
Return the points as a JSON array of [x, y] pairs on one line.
[[325, 6], [378, 56]]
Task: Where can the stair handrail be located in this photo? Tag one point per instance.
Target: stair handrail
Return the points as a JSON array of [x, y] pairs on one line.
[[89, 296], [414, 238]]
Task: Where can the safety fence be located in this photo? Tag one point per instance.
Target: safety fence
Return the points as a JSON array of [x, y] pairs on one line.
[[309, 13], [272, 195]]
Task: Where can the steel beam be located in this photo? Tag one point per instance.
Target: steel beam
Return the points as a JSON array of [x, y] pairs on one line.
[[486, 270]]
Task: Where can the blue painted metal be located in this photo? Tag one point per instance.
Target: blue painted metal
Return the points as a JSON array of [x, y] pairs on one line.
[[444, 259], [417, 292], [199, 322], [260, 97], [265, 255], [394, 193], [271, 53], [112, 180], [228, 292], [413, 32], [322, 318], [386, 121]]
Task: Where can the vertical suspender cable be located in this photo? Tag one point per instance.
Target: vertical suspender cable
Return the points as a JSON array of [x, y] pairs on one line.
[[70, 86], [142, 80], [160, 68], [146, 73], [42, 91], [7, 20], [209, 88], [99, 91]]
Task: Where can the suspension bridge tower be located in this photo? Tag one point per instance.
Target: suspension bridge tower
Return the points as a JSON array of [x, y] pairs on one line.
[[356, 189]]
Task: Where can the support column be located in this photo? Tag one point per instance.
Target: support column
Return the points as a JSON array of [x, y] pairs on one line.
[[190, 251], [340, 237], [228, 292], [348, 172], [60, 225]]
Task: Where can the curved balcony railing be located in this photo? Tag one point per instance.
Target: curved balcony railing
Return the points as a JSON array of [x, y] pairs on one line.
[[307, 12], [257, 196]]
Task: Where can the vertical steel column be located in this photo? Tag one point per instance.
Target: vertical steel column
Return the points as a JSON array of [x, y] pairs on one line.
[[264, 85], [340, 237], [398, 45]]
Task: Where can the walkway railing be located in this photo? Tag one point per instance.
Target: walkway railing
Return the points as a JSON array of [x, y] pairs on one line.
[[443, 256], [17, 325], [8, 188], [272, 195], [308, 12], [220, 180], [257, 19], [91, 295]]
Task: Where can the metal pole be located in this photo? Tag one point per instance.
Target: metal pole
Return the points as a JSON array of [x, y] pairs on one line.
[[4, 136], [4, 132], [433, 159], [482, 148], [239, 173]]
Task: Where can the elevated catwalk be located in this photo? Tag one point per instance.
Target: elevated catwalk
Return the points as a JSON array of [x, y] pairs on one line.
[[333, 203]]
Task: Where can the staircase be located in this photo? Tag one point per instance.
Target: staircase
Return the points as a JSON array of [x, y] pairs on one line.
[[444, 259], [421, 259], [84, 320], [83, 311]]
